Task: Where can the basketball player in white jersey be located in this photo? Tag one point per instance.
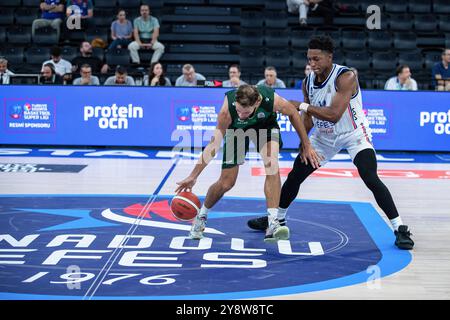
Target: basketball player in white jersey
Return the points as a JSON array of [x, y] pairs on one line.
[[333, 105]]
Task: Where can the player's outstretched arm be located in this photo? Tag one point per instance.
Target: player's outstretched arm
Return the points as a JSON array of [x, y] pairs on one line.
[[223, 122], [308, 153], [346, 86]]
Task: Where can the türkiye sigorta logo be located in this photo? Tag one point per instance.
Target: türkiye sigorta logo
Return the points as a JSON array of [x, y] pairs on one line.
[[114, 116]]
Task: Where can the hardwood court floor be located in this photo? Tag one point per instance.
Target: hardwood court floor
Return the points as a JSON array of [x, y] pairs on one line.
[[423, 204]]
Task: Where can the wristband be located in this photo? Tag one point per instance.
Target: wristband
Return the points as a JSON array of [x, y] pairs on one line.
[[304, 107]]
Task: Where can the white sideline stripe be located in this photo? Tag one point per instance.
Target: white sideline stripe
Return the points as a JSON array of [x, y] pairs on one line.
[[188, 201], [107, 213]]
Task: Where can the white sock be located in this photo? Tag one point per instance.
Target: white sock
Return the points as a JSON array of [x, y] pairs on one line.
[[203, 212], [396, 222], [273, 214], [282, 213]]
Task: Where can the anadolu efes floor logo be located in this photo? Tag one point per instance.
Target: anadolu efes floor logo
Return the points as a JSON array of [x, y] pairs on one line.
[[73, 247]]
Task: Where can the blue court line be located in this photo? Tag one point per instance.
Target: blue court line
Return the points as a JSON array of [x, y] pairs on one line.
[[393, 260]]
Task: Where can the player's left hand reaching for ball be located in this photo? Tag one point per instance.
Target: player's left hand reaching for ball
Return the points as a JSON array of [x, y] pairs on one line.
[[309, 155], [186, 184]]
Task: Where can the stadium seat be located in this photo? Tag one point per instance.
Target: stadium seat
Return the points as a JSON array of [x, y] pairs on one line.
[[447, 40], [413, 60], [251, 37], [199, 48], [46, 35], [384, 61], [275, 5], [299, 60], [441, 6], [425, 23], [277, 38], [251, 60], [338, 57], [280, 59], [432, 56], [102, 33], [129, 4], [405, 41], [105, 4], [202, 11], [444, 23], [26, 16], [69, 53], [37, 55], [118, 57], [300, 38], [419, 6], [104, 17], [31, 3], [395, 6], [201, 28], [154, 4], [2, 35], [14, 55], [19, 35], [353, 39], [11, 3], [249, 3], [276, 19], [100, 53], [185, 2], [379, 40], [6, 16], [401, 22], [252, 19], [359, 60]]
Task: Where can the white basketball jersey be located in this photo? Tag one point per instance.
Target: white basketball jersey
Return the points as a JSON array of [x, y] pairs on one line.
[[322, 95]]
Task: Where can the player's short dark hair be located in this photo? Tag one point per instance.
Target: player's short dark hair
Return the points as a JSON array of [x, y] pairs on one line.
[[400, 68], [247, 95], [321, 42]]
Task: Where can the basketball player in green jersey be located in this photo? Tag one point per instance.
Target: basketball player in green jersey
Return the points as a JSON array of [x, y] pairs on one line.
[[249, 113]]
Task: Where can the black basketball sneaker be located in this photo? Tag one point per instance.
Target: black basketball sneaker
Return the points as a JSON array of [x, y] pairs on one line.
[[403, 238], [262, 223]]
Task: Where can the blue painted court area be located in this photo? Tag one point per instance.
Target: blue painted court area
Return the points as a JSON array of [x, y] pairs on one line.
[[71, 247]]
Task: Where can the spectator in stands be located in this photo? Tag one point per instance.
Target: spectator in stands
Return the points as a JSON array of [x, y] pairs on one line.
[[189, 77], [52, 15], [271, 80], [87, 58], [84, 9], [441, 72], [4, 72], [402, 81], [156, 76], [63, 67], [235, 81], [146, 33], [121, 78], [322, 7], [49, 75], [308, 70], [121, 31], [86, 77]]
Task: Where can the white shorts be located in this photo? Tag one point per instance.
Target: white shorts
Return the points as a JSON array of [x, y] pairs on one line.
[[328, 144]]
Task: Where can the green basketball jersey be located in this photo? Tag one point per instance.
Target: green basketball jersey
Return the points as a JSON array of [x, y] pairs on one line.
[[263, 118]]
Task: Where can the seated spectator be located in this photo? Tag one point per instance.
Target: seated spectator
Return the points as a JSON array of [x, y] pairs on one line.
[[63, 67], [271, 80], [402, 81], [322, 7], [441, 72], [308, 70], [189, 77], [121, 31], [86, 77], [235, 81], [146, 33], [49, 75], [52, 15], [156, 76], [83, 9], [121, 78], [4, 72], [87, 58]]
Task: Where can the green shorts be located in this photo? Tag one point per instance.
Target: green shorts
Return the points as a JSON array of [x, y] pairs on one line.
[[237, 144]]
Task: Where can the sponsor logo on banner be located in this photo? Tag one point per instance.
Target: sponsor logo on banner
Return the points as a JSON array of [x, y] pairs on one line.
[[378, 120], [113, 117], [40, 168], [440, 121], [30, 115], [195, 115]]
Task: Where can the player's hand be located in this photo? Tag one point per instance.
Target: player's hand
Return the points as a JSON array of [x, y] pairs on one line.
[[309, 155], [186, 184]]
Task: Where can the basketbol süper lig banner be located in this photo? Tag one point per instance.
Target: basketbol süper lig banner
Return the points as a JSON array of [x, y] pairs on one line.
[[166, 117]]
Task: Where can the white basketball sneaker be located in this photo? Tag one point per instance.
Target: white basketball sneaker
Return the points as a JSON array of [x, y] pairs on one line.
[[276, 232], [198, 226]]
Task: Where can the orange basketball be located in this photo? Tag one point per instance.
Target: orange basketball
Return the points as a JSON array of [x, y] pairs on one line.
[[185, 206]]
